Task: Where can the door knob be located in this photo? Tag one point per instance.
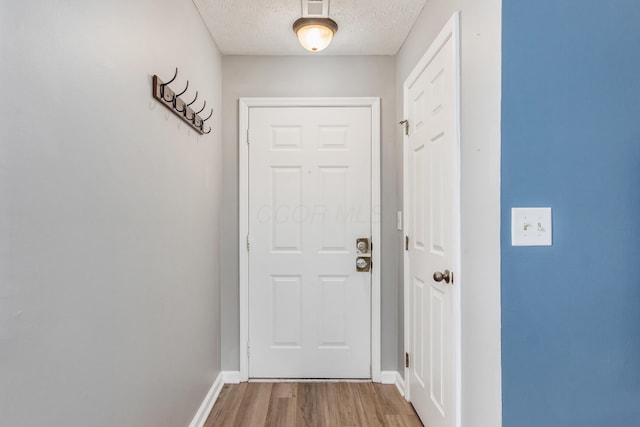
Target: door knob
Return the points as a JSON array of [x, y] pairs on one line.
[[363, 264], [439, 277]]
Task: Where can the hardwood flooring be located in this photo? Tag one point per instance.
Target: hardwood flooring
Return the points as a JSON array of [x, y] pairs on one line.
[[318, 404]]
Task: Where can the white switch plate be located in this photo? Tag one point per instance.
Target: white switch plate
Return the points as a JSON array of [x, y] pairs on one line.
[[531, 227]]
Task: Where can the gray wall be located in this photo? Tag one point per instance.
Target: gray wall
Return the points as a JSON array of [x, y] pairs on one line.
[[270, 76], [109, 213], [479, 279]]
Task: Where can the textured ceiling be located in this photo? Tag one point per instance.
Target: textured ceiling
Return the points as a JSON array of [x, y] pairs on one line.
[[252, 27]]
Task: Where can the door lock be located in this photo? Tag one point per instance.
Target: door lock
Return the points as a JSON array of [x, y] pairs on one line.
[[363, 264], [362, 245]]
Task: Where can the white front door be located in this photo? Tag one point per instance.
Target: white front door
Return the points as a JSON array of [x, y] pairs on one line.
[[432, 228], [309, 200]]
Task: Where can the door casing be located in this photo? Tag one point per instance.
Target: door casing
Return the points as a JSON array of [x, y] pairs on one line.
[[245, 104], [450, 31]]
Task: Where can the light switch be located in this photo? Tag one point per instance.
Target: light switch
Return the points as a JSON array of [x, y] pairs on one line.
[[531, 227]]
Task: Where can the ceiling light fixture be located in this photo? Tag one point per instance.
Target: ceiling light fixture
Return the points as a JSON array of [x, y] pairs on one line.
[[315, 34]]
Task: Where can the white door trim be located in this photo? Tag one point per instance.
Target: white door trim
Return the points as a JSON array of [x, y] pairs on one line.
[[244, 105], [450, 31]]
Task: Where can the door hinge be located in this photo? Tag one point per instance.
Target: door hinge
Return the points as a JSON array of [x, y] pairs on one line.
[[248, 139], [406, 243], [405, 124], [248, 350], [248, 243], [406, 360]]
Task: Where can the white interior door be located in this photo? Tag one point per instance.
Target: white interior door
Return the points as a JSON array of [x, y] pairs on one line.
[[309, 200], [432, 228]]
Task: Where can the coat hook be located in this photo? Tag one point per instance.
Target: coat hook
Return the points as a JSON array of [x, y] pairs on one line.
[[172, 78], [202, 109], [162, 86], [194, 99], [185, 89], [186, 105], [177, 96], [175, 106], [210, 114], [172, 100], [162, 95]]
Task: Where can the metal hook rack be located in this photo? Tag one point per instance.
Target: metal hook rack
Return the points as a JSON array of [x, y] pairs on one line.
[[170, 99]]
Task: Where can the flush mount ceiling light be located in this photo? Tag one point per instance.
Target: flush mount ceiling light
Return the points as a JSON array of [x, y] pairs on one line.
[[315, 34]]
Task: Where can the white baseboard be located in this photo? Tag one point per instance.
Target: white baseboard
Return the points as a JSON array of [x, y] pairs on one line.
[[207, 403], [224, 377], [388, 377], [400, 383], [231, 377], [393, 377]]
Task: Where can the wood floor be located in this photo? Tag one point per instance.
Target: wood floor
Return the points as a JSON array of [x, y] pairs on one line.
[[311, 404]]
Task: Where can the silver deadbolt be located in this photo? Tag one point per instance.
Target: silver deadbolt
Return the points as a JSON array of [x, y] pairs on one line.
[[363, 264], [362, 245], [439, 277]]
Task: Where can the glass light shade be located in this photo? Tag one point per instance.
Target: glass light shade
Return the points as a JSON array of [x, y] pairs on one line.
[[315, 34]]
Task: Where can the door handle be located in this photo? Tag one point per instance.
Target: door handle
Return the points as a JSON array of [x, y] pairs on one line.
[[363, 247], [363, 264], [439, 277]]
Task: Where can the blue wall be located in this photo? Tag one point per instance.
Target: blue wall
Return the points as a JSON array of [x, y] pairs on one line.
[[571, 140]]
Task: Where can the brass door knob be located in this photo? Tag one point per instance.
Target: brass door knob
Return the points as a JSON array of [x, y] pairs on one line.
[[439, 277]]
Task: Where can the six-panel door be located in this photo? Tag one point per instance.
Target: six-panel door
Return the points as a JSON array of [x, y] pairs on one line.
[[309, 200], [432, 171]]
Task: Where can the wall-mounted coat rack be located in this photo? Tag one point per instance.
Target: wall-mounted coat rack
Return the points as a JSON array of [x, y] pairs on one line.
[[170, 99]]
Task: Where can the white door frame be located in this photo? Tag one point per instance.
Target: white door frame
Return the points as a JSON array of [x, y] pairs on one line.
[[244, 105], [450, 31]]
